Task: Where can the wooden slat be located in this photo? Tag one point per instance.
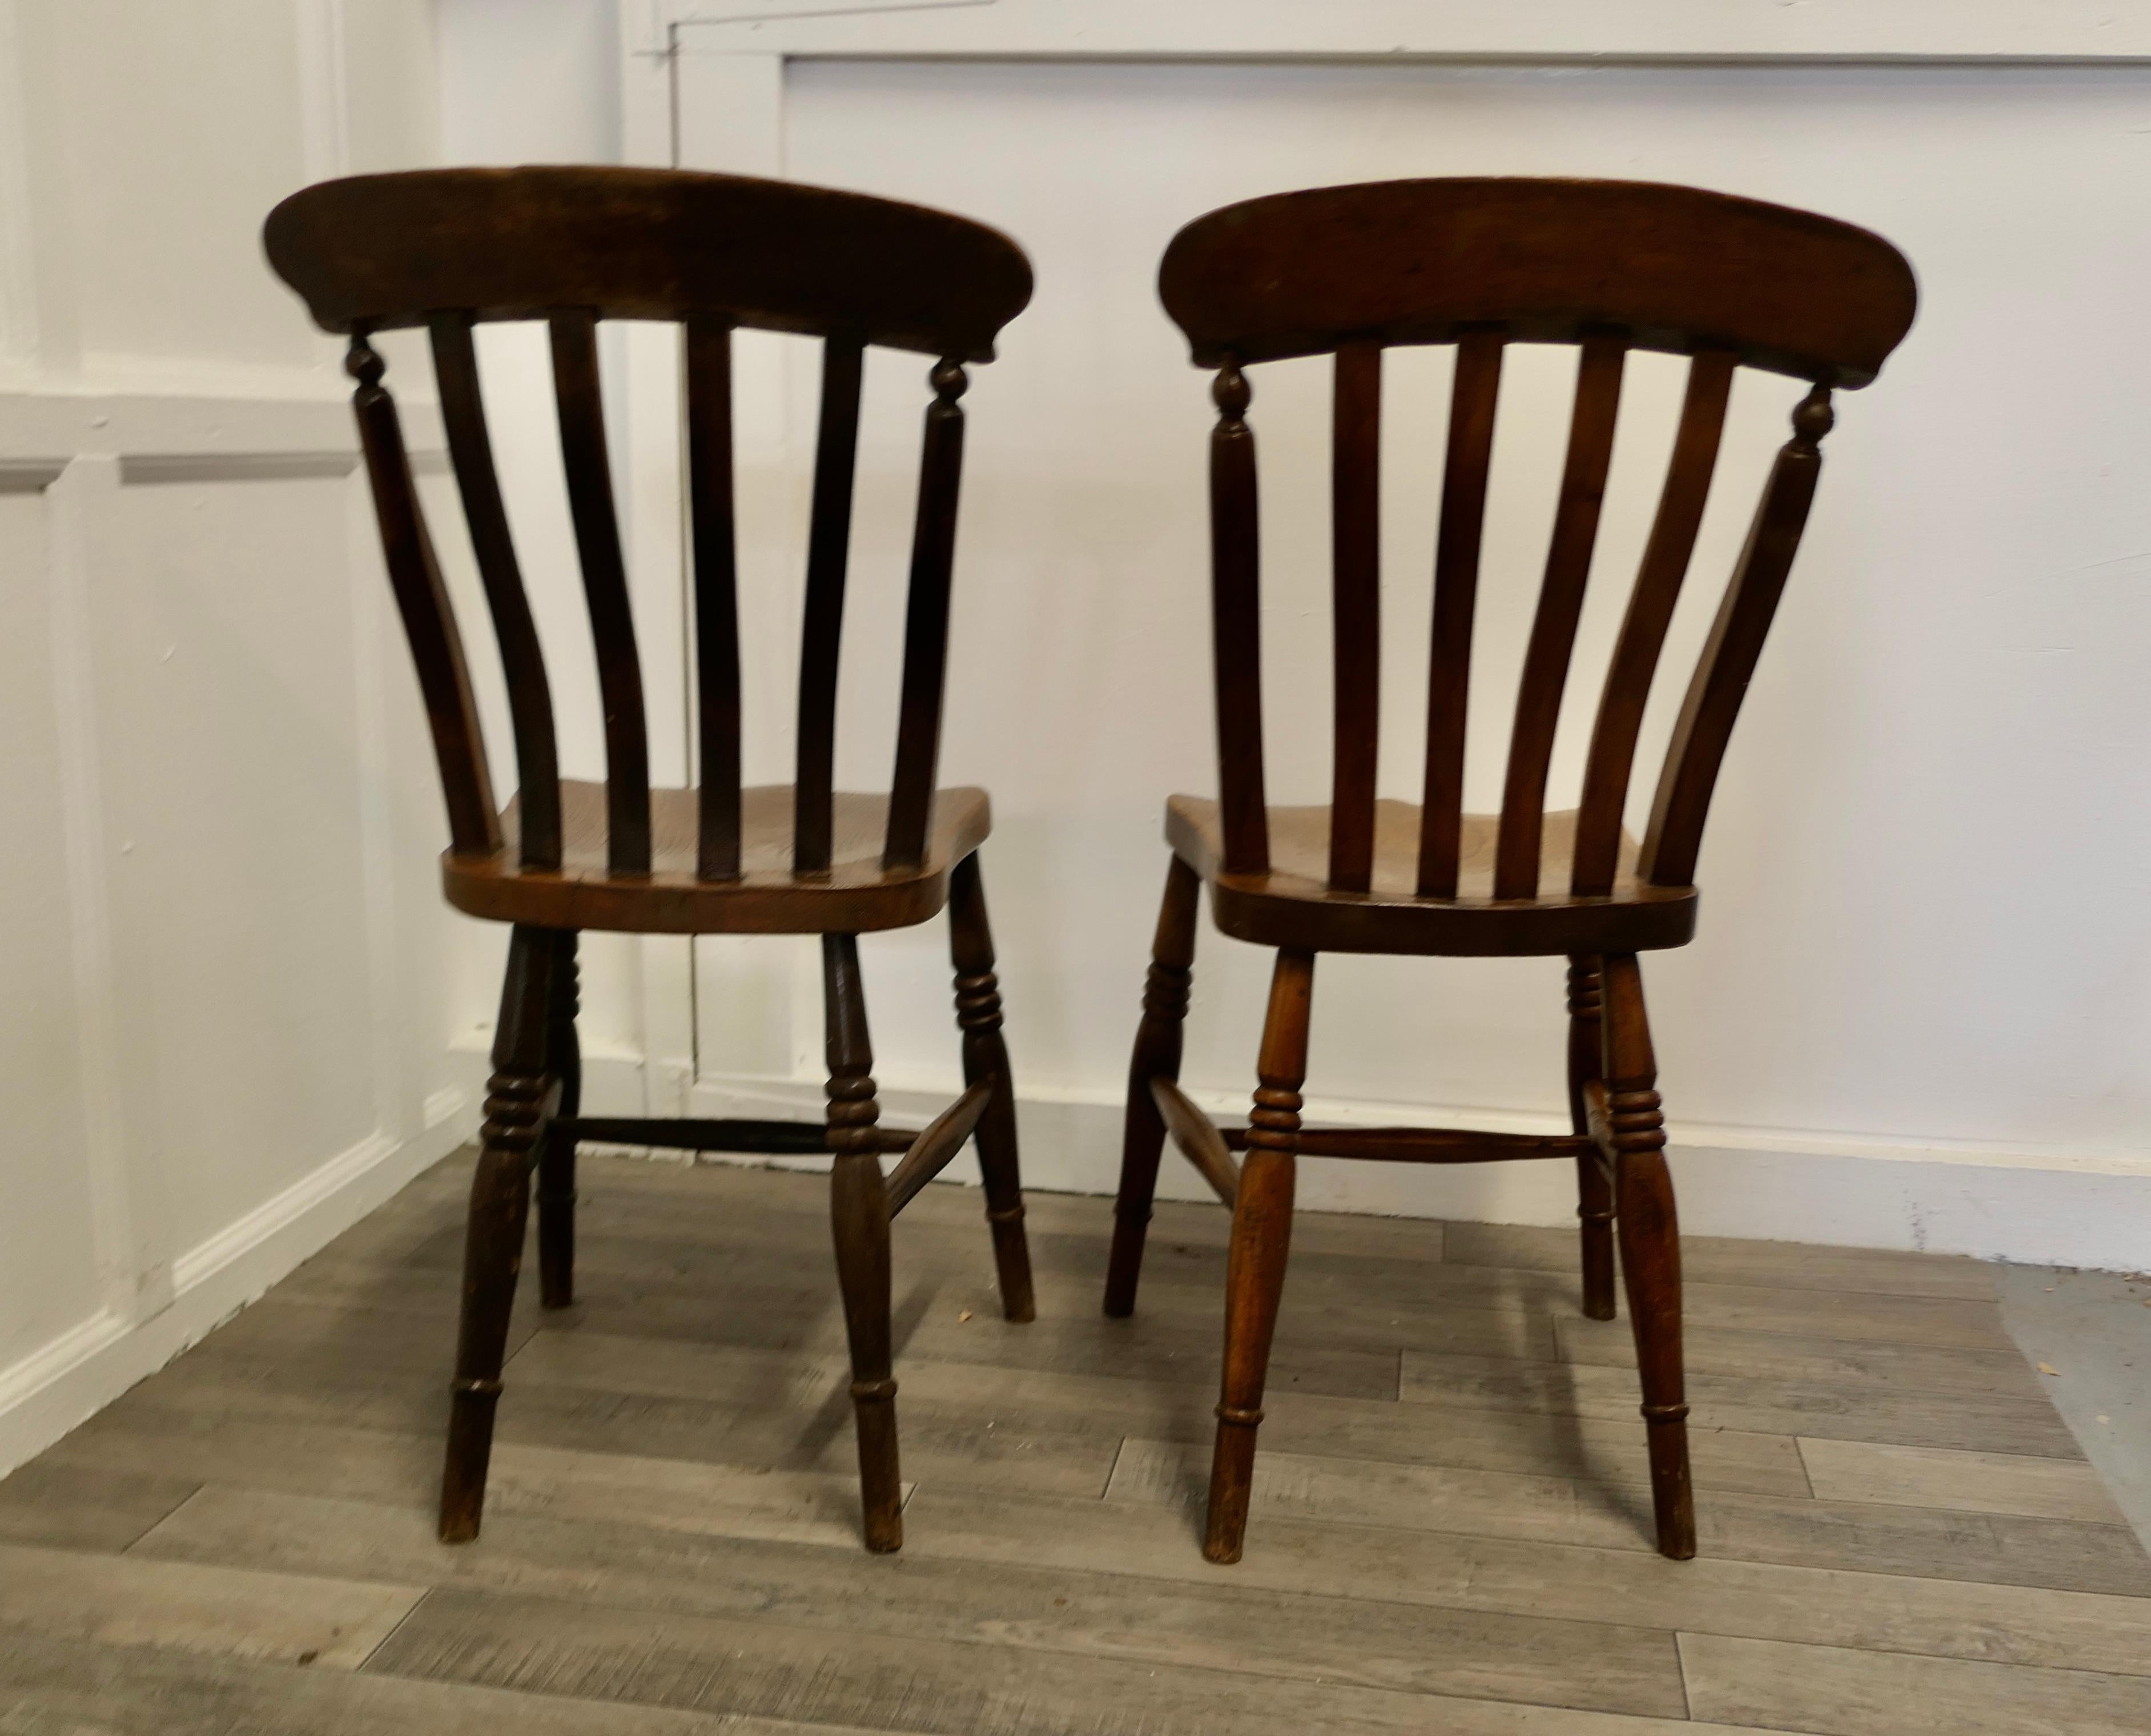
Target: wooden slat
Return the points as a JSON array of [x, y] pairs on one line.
[[1561, 604], [941, 1138], [1471, 405], [63, 1687], [1798, 1531], [1836, 1692], [1424, 1145], [1965, 1482], [1818, 1606], [1235, 625], [1355, 541], [429, 621], [926, 623], [664, 1565], [944, 1686], [522, 661], [604, 586], [1197, 1137], [709, 368], [1658, 579], [1712, 704], [70, 1507], [828, 549], [126, 1599]]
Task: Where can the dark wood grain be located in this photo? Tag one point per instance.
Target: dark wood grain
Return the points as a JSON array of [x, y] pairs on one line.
[[516, 1110], [1729, 656], [1417, 262], [522, 661], [926, 623], [1608, 267], [429, 621], [1599, 369], [713, 531], [1236, 615], [859, 1214], [1157, 1053], [1355, 515], [1261, 1236], [1658, 580], [647, 244], [829, 555], [573, 247], [589, 468], [1463, 475]]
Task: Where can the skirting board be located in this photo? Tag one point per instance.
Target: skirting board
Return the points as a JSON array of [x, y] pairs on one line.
[[2093, 1212], [72, 1376]]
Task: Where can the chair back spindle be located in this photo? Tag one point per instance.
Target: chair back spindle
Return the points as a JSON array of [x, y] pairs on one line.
[[926, 622], [429, 620], [1236, 624], [1610, 268], [828, 548], [529, 696], [444, 249], [1472, 398], [714, 543]]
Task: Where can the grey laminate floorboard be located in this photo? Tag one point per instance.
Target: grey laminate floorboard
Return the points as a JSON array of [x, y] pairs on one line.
[[1450, 1527]]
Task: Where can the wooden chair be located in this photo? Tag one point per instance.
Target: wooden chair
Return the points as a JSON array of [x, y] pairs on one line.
[[443, 250], [1608, 267]]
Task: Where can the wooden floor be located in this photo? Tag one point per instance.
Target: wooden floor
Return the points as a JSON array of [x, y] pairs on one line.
[[1450, 1530]]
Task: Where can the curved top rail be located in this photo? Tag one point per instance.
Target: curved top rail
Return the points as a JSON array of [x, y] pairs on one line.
[[383, 250], [1668, 268]]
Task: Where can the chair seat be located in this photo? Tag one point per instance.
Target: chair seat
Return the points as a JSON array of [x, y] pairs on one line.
[[855, 895], [1292, 905]]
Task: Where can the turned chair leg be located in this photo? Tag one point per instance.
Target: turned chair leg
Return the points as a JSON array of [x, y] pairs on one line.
[[499, 1207], [1262, 1235], [985, 1057], [858, 1214], [556, 1152], [1594, 1191], [1156, 1055], [1650, 1247]]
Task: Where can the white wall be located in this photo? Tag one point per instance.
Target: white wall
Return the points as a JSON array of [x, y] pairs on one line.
[[1918, 1012], [225, 1035]]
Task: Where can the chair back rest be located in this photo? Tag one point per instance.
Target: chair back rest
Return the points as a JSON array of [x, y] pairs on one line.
[[446, 248], [1608, 266]]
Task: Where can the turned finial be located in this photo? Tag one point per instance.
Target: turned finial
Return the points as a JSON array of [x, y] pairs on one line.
[[1229, 390], [949, 379], [363, 362], [1813, 418]]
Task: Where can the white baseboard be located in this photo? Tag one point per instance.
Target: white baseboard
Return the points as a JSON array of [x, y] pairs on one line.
[[1943, 1197], [72, 1376]]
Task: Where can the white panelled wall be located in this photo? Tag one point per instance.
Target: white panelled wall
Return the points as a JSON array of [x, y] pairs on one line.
[[1918, 1012], [225, 1031]]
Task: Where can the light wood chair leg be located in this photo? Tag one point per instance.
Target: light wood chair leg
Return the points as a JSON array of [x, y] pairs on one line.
[[1650, 1247], [556, 1154], [499, 1208], [1594, 1191], [985, 1057], [1261, 1237], [858, 1216], [1156, 1054]]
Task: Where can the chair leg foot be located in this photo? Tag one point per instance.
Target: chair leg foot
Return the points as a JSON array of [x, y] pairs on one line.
[[1594, 1188], [1262, 1238], [1156, 1055], [858, 1218], [985, 1057], [556, 1157], [1650, 1250], [499, 1210]]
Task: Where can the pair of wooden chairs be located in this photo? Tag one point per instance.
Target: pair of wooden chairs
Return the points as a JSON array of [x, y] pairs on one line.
[[1607, 267]]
